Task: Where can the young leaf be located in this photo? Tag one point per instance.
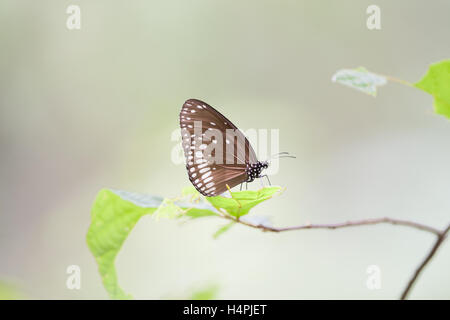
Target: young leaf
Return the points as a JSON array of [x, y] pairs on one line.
[[223, 229], [241, 202], [198, 211], [168, 209], [360, 79], [437, 83], [113, 216], [173, 208]]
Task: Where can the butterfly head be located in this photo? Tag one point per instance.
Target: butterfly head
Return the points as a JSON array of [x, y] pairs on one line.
[[254, 170], [264, 164]]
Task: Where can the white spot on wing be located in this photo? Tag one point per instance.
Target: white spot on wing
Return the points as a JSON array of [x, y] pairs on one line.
[[206, 175], [207, 179]]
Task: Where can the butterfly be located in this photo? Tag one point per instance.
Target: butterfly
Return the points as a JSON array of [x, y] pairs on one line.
[[218, 155]]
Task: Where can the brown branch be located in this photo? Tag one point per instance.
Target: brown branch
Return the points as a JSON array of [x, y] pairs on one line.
[[347, 224], [441, 235], [440, 239]]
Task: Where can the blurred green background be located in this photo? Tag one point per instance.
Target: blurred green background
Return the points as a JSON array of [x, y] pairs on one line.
[[92, 108]]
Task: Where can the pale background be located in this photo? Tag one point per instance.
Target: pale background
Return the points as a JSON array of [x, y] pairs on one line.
[[93, 108]]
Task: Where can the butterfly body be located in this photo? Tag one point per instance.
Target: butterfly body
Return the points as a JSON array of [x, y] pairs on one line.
[[218, 155]]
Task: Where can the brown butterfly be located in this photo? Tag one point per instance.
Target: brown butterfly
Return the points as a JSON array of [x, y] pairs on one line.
[[218, 155]]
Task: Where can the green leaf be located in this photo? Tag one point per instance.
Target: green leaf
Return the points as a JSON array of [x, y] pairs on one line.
[[113, 216], [240, 203], [198, 212], [223, 229], [195, 208], [360, 79], [207, 293], [9, 292], [115, 213], [171, 208], [168, 209], [437, 83]]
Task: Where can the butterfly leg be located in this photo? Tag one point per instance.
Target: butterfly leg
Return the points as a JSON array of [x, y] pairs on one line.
[[267, 177], [240, 189], [246, 185]]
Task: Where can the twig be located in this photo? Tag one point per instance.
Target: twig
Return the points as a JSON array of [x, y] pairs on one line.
[[441, 235], [401, 81], [385, 220], [440, 239]]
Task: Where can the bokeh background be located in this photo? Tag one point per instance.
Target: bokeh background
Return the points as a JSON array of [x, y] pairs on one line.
[[92, 108]]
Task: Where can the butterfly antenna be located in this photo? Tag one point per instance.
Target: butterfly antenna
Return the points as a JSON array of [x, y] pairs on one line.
[[277, 155], [282, 155], [288, 156]]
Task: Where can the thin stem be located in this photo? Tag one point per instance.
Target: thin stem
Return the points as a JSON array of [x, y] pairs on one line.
[[441, 235], [401, 81], [385, 220], [440, 239]]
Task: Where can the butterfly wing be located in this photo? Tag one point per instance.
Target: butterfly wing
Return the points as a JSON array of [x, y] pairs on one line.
[[209, 177]]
